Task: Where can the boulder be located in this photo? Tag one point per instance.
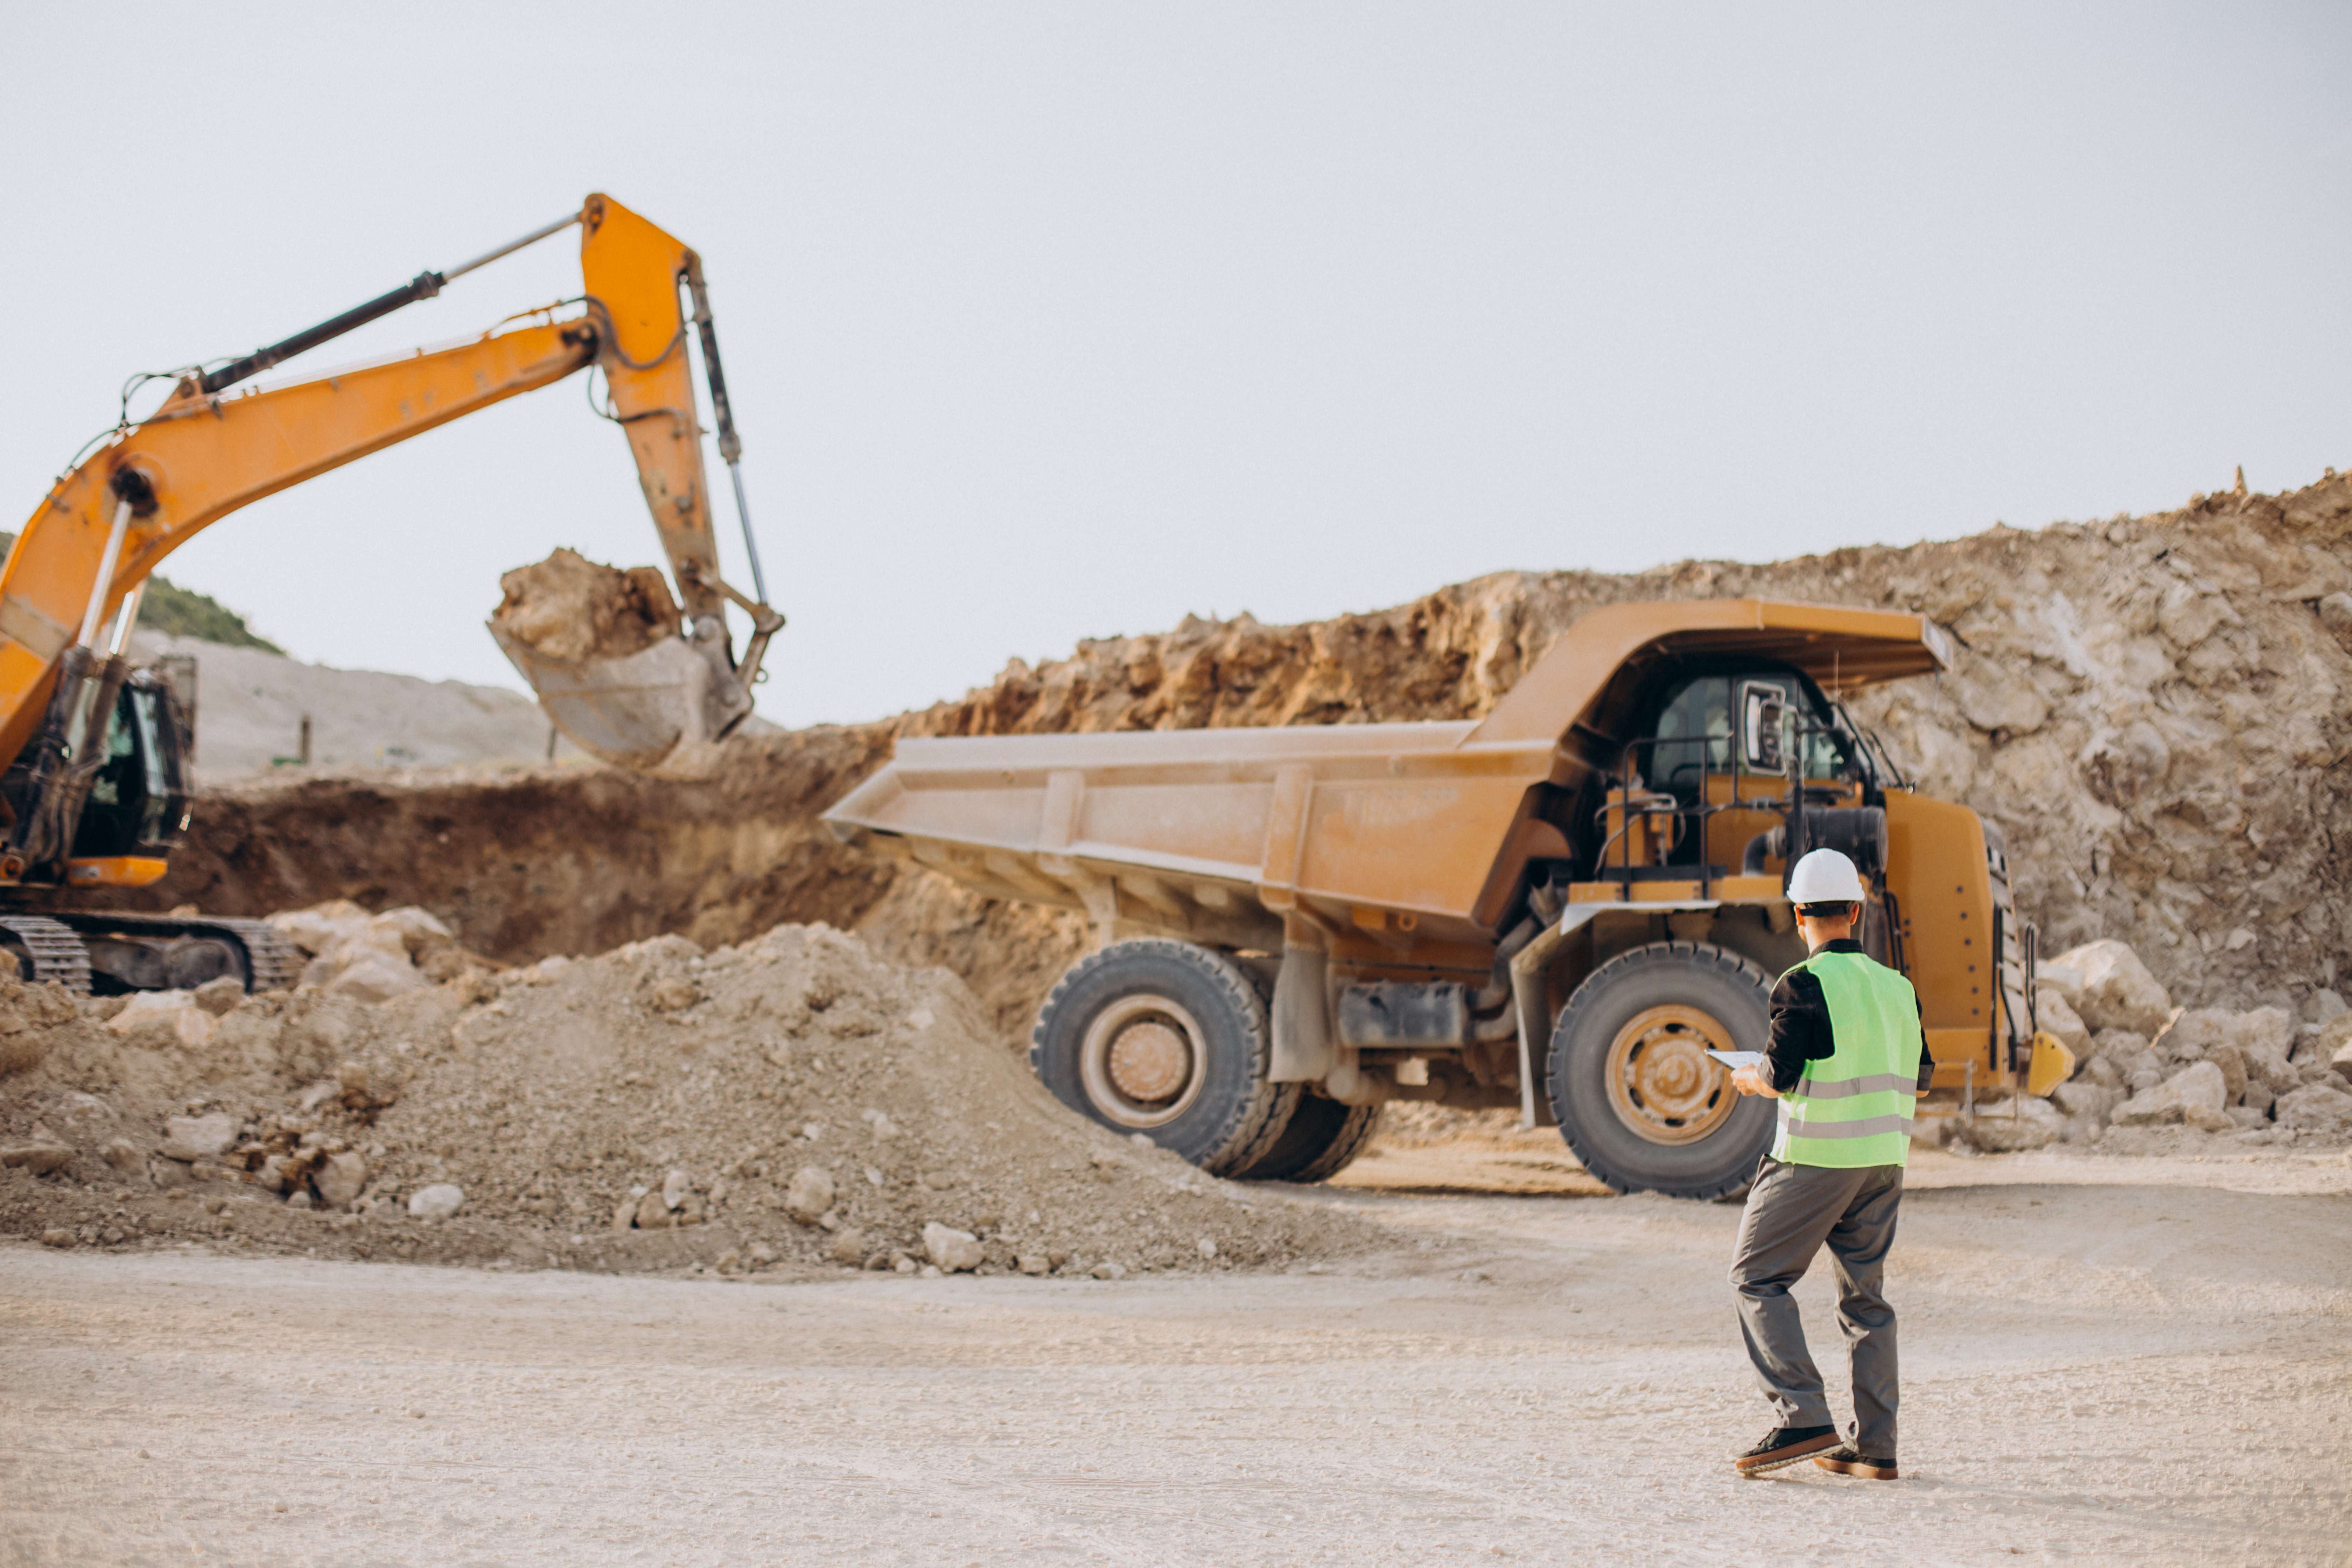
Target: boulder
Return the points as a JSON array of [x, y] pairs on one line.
[[40, 1153], [2193, 1095], [2086, 1101], [442, 1200], [2315, 1108], [810, 1193], [2064, 979], [189, 1138], [2118, 991], [2057, 1015], [320, 927], [2267, 1065], [2141, 1068], [2324, 1042], [2233, 1072], [219, 997], [847, 1245], [418, 933], [2019, 1123], [2324, 1006], [675, 1186], [953, 1251], [338, 1180], [161, 1020], [373, 978]]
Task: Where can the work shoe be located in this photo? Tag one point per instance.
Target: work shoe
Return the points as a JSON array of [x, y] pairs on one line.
[[1785, 1445], [1848, 1461]]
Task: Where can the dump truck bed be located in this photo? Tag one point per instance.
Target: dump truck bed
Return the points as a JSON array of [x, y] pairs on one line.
[[1416, 829]]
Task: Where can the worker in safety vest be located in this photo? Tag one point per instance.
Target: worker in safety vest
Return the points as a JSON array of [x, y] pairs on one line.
[[1848, 1062]]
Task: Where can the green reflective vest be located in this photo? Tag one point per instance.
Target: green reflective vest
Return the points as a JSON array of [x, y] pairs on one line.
[[1853, 1107]]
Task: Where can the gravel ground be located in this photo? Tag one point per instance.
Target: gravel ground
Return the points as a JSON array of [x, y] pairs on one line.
[[2117, 1361]]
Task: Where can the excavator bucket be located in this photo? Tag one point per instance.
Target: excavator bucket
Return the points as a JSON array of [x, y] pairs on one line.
[[601, 649], [633, 711]]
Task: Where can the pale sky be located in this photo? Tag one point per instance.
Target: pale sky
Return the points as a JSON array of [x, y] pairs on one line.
[[1047, 322]]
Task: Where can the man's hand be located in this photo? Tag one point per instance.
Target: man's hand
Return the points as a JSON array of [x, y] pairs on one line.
[[1747, 1080]]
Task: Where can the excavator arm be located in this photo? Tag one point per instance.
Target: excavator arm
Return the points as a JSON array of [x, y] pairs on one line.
[[68, 593]]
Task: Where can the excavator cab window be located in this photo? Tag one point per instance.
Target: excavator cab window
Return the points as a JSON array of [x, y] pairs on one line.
[[138, 802]]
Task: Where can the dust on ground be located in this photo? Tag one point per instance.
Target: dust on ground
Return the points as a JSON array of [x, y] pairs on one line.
[[794, 1104], [2094, 1371]]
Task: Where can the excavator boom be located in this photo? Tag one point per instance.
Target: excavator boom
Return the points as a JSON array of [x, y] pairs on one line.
[[69, 591]]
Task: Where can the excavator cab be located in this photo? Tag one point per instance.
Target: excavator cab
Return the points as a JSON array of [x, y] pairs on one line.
[[138, 801]]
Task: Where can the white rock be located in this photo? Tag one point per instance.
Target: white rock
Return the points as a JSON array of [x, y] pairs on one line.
[[2094, 1102], [2064, 978], [320, 927], [675, 1186], [1109, 1271], [375, 978], [161, 1019], [2315, 1108], [338, 1180], [1207, 1247], [2011, 1125], [198, 1137], [1034, 1263], [2193, 1095], [2324, 1006], [2057, 1015], [2118, 991], [40, 1153], [953, 1251], [219, 997], [439, 1201], [809, 1193], [415, 929]]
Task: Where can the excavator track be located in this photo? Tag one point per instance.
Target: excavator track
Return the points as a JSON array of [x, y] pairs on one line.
[[272, 962], [57, 954]]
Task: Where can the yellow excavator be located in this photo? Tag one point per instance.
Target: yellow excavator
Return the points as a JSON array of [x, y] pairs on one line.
[[94, 788]]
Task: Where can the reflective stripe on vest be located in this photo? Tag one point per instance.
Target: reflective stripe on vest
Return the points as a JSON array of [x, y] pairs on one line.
[[1854, 1106]]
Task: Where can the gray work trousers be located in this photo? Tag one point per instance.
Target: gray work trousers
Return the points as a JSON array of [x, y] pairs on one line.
[[1792, 1211]]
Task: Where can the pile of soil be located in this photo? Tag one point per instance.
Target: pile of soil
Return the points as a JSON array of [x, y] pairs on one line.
[[794, 1103], [2151, 709], [570, 608]]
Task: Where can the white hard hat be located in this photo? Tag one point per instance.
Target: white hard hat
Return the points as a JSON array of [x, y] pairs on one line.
[[1825, 877]]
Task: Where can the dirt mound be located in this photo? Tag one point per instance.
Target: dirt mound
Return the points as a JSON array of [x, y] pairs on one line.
[[2151, 709], [569, 609], [793, 1102]]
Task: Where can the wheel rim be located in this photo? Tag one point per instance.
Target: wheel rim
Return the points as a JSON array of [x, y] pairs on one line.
[[1662, 1083], [1142, 1061]]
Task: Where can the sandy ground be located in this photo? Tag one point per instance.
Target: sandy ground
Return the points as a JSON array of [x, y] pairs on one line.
[[2107, 1360]]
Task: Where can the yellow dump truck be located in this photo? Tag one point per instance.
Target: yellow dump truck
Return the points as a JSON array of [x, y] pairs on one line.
[[1560, 907]]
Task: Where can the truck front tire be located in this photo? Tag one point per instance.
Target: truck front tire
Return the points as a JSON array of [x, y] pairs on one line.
[[1170, 1040], [1638, 1100]]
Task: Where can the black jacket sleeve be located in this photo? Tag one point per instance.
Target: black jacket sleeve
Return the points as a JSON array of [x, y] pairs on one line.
[[1926, 1062], [1800, 1030]]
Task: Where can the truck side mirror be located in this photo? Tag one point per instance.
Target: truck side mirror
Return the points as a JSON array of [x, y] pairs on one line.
[[1763, 715]]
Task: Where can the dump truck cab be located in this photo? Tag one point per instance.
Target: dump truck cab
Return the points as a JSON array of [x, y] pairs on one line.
[[1560, 907]]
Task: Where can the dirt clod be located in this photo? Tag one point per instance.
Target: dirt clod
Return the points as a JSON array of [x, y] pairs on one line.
[[570, 608]]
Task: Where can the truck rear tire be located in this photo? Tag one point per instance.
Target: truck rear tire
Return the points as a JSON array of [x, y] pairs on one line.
[[1638, 1100], [1322, 1138], [1170, 1040]]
